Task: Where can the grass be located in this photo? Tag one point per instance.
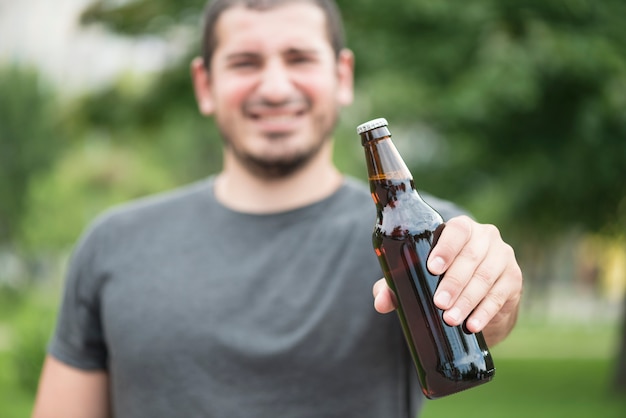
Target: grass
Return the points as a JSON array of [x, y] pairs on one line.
[[544, 371], [538, 388]]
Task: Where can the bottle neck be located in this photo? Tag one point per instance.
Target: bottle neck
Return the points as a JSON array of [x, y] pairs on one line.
[[384, 161], [398, 202]]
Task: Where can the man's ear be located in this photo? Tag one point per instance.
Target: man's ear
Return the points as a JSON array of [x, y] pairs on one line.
[[345, 73], [202, 86]]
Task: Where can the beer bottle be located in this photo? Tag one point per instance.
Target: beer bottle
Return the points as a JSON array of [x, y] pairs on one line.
[[448, 358]]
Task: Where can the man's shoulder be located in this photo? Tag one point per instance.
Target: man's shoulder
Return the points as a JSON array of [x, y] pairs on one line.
[[354, 199], [151, 208]]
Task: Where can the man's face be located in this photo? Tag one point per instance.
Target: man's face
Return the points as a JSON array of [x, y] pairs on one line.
[[275, 86]]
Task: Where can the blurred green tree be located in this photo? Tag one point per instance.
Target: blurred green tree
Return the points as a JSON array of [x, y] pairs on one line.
[[30, 139], [526, 99], [87, 179], [163, 111]]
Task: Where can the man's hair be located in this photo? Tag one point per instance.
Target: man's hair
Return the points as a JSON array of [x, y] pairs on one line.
[[214, 9]]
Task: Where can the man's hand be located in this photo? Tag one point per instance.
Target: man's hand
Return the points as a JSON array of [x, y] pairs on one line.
[[482, 285]]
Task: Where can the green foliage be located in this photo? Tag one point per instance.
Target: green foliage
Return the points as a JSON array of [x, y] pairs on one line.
[[14, 400], [527, 97], [159, 114], [30, 139], [32, 327], [85, 181], [141, 17], [26, 321]]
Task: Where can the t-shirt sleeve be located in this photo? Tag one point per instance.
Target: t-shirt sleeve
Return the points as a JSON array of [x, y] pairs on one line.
[[78, 338]]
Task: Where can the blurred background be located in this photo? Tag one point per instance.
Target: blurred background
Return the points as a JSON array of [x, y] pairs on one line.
[[515, 109]]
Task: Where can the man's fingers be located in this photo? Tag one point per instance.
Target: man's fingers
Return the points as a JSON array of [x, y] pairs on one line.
[[470, 279], [384, 298], [454, 237], [470, 286]]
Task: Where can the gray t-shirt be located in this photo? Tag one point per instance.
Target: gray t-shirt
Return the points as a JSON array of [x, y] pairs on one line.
[[196, 310]]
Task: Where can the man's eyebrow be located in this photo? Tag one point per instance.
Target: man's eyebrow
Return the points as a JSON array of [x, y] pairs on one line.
[[307, 51], [240, 55]]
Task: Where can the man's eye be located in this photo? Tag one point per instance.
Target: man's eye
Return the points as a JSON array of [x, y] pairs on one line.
[[297, 57], [300, 60], [242, 64]]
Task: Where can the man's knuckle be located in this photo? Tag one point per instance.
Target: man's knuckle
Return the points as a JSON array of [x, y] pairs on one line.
[[485, 276]]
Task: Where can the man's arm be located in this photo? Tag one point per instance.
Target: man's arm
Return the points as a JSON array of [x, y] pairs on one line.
[[67, 392], [482, 285]]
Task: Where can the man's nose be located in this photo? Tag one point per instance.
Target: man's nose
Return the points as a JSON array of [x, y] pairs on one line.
[[276, 84]]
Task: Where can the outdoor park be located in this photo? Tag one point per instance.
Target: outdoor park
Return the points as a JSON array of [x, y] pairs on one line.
[[515, 110]]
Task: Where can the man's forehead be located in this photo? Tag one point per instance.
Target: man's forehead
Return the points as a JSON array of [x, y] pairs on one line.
[[299, 25]]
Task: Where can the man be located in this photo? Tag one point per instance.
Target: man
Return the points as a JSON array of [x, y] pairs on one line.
[[246, 295]]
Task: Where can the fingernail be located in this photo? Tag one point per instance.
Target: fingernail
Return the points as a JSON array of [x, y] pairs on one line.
[[436, 265], [454, 314], [474, 324], [442, 299]]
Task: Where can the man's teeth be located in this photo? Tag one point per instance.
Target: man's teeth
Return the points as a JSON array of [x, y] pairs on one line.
[[277, 118]]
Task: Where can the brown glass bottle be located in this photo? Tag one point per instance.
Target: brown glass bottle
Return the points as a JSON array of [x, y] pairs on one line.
[[448, 359]]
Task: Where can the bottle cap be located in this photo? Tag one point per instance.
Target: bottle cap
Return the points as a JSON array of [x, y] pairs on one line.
[[372, 124]]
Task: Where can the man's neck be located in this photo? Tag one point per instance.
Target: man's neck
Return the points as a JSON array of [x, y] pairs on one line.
[[239, 189]]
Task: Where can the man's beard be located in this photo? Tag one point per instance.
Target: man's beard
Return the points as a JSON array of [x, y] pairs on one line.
[[279, 167], [274, 168]]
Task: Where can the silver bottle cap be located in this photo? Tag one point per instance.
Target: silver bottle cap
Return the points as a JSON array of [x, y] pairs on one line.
[[372, 124]]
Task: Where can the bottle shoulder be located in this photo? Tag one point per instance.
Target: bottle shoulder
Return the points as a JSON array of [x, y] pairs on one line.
[[409, 214]]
